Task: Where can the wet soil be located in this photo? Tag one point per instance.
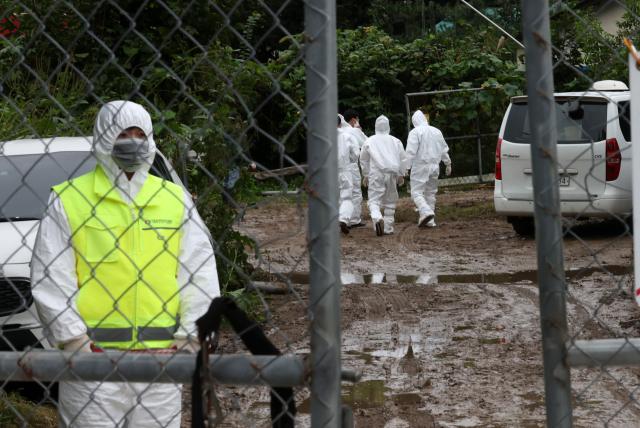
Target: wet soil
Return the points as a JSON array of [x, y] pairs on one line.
[[444, 323]]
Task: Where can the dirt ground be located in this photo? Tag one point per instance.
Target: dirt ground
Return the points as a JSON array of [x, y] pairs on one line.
[[444, 323]]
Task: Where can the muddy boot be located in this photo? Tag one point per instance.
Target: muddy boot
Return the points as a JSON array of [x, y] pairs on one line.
[[380, 227], [344, 228], [424, 220]]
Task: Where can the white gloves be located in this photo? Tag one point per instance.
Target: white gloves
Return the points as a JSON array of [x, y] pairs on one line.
[[447, 170], [400, 180], [79, 344], [190, 345], [365, 182]]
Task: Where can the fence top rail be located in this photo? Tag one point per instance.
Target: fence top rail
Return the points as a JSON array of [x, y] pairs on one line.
[[445, 91], [114, 366]]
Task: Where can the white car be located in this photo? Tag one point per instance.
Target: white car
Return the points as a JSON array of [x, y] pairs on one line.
[[594, 156], [28, 170]]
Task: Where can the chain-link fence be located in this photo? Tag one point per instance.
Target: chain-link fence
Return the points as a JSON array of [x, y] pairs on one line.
[[121, 219], [579, 131]]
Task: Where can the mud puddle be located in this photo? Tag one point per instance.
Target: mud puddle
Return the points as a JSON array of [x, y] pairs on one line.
[[349, 278], [369, 394]]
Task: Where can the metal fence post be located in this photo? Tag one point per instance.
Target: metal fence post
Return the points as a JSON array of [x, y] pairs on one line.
[[551, 280], [478, 139], [324, 244]]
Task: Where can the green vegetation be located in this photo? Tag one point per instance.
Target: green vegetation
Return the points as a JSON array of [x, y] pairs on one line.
[[226, 83], [16, 412]]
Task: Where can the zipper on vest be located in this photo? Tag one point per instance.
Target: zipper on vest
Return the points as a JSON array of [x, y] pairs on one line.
[[136, 240]]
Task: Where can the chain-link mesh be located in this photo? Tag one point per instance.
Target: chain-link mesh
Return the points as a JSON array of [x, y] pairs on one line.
[[157, 206], [241, 99], [583, 203]]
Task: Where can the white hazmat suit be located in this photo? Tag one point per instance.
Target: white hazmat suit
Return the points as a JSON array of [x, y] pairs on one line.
[[347, 155], [55, 289], [359, 137], [426, 148], [383, 162]]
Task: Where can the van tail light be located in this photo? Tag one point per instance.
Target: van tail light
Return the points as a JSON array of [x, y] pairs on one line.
[[499, 161], [614, 159]]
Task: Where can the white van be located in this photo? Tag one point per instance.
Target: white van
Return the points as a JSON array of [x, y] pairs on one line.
[[594, 156]]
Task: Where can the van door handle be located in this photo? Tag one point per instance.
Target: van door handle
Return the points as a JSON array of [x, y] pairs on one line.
[[570, 171]]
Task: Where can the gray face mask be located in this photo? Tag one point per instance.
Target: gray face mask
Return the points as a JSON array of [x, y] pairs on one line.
[[130, 153]]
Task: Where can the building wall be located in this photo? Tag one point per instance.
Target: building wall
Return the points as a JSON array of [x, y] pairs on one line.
[[609, 17]]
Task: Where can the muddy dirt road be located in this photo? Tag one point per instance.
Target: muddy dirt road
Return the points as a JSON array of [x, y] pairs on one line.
[[444, 322]]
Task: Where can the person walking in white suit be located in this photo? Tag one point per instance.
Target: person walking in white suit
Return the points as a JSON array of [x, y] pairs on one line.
[[347, 155], [426, 148], [352, 126], [384, 165]]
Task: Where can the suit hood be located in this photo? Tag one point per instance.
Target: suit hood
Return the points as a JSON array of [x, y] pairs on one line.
[[419, 119], [113, 118], [382, 125]]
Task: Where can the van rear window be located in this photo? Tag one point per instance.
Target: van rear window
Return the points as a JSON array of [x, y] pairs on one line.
[[576, 122]]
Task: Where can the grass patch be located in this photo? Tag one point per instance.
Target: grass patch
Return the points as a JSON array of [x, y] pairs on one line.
[[15, 411], [471, 210], [464, 187], [480, 209], [492, 341]]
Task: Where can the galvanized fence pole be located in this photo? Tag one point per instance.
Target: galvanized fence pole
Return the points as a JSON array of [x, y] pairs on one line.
[[551, 280], [478, 138], [324, 244]]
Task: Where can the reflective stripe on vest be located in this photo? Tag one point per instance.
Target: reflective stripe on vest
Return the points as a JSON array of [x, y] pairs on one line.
[[126, 259], [101, 335]]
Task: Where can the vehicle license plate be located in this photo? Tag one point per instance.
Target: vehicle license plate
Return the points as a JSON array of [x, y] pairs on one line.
[[564, 180]]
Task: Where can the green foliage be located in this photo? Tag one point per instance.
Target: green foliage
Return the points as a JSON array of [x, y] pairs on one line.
[[234, 95], [410, 19], [198, 87], [375, 71]]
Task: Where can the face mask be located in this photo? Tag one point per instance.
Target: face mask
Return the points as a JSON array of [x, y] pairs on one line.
[[130, 153]]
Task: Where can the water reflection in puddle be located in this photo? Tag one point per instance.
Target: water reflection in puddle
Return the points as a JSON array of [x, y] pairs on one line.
[[475, 278], [434, 278], [367, 395]]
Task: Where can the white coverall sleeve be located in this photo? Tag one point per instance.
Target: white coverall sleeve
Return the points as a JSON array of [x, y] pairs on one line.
[[365, 159], [413, 144], [197, 272], [404, 161], [54, 281], [445, 150], [354, 150]]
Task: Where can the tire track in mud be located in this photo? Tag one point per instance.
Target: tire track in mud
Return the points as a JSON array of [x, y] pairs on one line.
[[406, 238], [476, 355]]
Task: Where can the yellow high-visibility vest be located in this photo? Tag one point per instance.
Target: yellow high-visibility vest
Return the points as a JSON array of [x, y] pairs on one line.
[[126, 259]]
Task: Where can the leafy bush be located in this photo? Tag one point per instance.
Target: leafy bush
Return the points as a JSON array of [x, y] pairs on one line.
[[200, 92], [375, 71]]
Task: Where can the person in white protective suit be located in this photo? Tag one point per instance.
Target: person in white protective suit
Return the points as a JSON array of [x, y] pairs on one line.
[[347, 155], [122, 261], [426, 148], [384, 165], [352, 126]]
